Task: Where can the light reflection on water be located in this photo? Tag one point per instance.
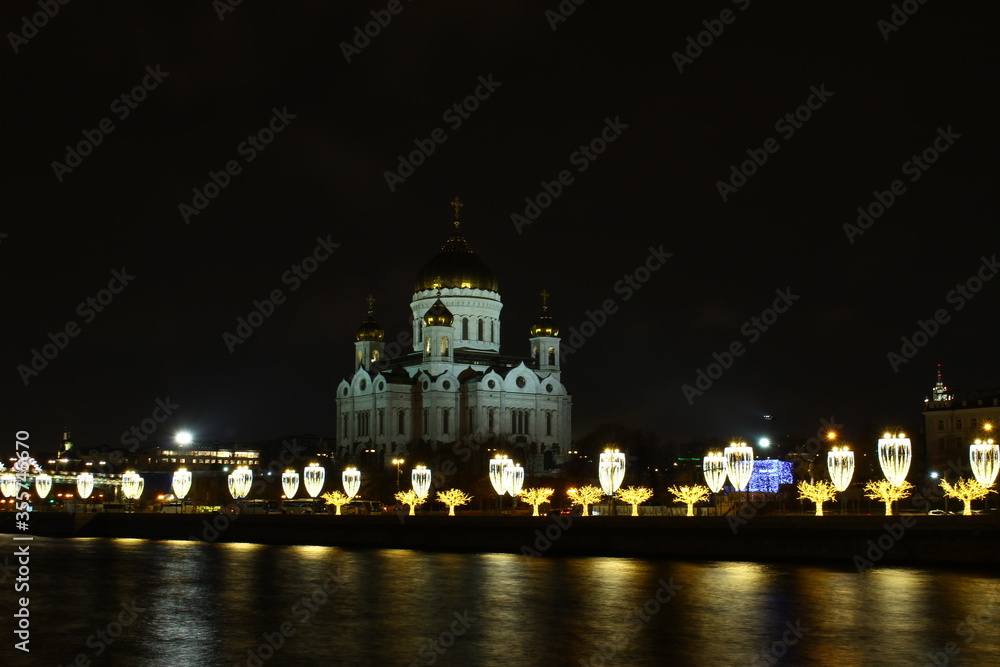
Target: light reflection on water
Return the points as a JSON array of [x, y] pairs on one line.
[[211, 604]]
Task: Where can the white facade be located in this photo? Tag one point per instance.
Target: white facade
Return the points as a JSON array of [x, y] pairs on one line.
[[455, 385]]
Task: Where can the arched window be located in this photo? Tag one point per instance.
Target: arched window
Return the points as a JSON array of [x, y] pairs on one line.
[[552, 356], [427, 345], [492, 333], [444, 345], [490, 420], [465, 328], [400, 426], [480, 329], [444, 421], [548, 423]]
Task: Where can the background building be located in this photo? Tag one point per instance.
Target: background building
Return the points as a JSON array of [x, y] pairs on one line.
[[952, 422], [455, 386]]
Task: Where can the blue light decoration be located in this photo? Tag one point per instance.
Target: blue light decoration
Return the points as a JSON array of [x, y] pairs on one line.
[[768, 474]]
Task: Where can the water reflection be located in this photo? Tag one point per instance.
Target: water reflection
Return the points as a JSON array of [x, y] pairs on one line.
[[205, 604]]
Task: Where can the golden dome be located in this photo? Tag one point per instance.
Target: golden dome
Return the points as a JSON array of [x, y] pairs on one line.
[[369, 329], [544, 325], [456, 265], [438, 315]]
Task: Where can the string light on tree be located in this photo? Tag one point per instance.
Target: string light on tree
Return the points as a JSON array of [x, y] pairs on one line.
[[585, 496], [965, 490], [536, 497], [337, 499], [739, 464], [410, 498], [634, 496], [886, 492], [452, 498], [689, 495], [894, 454], [818, 492]]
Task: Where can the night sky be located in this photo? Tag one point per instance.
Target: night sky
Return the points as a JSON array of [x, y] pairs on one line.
[[550, 92]]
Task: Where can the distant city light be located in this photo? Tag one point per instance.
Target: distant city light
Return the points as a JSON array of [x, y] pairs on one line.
[[934, 475], [764, 442]]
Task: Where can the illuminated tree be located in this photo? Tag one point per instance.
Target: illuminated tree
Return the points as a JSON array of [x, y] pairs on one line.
[[536, 497], [336, 498], [819, 493], [634, 495], [453, 497], [586, 496], [689, 495], [966, 490], [410, 498], [884, 491]]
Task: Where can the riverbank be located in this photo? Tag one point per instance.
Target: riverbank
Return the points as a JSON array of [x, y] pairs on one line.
[[855, 540]]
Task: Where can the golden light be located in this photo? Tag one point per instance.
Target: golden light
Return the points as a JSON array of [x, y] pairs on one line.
[[314, 476], [337, 499], [634, 496], [239, 482], [965, 490], [819, 493], [351, 478], [497, 465], [181, 482], [985, 458], [840, 464], [689, 495], [831, 435], [132, 484], [739, 464], [887, 492], [714, 468], [453, 497], [611, 470], [536, 497], [43, 484], [85, 484], [290, 483], [410, 498], [585, 496], [894, 454], [420, 477]]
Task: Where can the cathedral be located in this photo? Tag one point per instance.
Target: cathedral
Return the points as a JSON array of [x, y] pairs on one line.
[[455, 386]]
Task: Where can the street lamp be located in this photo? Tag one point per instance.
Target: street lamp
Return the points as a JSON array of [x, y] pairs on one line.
[[397, 463], [239, 482], [420, 477], [840, 463], [43, 484], [739, 464], [181, 484], [894, 456], [183, 438], [513, 479], [85, 484], [132, 484], [611, 471], [985, 458], [314, 476], [8, 484], [351, 477], [290, 483], [497, 465], [714, 468]]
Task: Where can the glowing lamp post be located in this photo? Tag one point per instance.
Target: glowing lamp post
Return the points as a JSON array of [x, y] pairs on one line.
[[85, 485], [739, 464], [985, 458], [497, 465], [714, 468], [8, 484], [611, 471], [420, 477], [181, 484], [894, 456], [132, 485], [351, 478], [840, 463], [513, 480], [43, 484], [239, 482], [314, 476], [290, 483]]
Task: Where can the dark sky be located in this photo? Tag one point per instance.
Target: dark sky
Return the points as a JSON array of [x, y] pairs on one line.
[[323, 175]]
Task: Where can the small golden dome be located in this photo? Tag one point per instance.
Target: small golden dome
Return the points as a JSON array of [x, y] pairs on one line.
[[369, 329], [438, 315], [544, 325]]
